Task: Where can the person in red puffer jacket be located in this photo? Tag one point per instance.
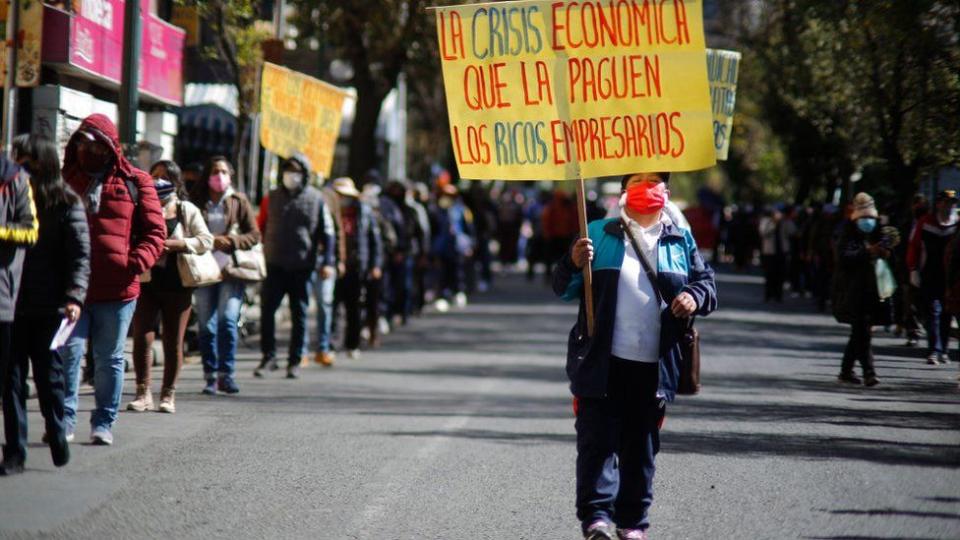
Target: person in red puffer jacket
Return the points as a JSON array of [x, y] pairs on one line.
[[127, 234]]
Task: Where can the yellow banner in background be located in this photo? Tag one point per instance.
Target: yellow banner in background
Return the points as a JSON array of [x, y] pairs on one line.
[[300, 114], [549, 90], [722, 69]]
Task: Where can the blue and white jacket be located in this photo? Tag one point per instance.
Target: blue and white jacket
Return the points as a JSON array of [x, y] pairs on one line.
[[680, 268]]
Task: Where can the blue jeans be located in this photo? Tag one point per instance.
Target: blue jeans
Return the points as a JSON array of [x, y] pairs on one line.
[[938, 326], [323, 295], [218, 310], [106, 325], [280, 283]]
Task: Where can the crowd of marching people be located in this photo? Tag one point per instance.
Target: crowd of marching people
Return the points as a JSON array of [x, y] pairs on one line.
[[97, 252], [898, 268]]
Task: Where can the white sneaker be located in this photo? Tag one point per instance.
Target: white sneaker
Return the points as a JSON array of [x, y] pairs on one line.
[[353, 354], [384, 326], [460, 300], [442, 305], [101, 437], [71, 436]]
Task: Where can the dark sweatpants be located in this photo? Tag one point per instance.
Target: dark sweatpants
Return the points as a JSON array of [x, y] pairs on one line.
[[295, 284], [617, 439], [31, 342]]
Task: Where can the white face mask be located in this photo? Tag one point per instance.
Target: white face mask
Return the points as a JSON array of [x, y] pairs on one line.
[[292, 180]]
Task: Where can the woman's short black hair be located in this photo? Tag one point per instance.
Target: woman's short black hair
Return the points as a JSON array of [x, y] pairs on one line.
[[665, 176]]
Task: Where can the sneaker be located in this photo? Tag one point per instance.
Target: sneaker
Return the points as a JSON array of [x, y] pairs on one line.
[[631, 534], [267, 364], [10, 467], [293, 372], [848, 378], [871, 380], [599, 530], [325, 359], [944, 358], [911, 342], [227, 385], [101, 437], [933, 359], [442, 305], [70, 437], [167, 401], [353, 354], [210, 389], [460, 300], [143, 401]]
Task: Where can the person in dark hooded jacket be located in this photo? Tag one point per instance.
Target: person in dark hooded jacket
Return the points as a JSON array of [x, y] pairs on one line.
[[127, 234], [298, 238], [53, 288]]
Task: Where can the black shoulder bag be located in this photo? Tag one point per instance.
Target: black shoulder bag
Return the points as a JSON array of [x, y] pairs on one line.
[[689, 380]]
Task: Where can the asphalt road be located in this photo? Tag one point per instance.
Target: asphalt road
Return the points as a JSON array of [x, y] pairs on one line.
[[461, 428]]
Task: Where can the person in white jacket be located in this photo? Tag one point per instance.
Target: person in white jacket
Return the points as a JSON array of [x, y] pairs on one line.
[[163, 296]]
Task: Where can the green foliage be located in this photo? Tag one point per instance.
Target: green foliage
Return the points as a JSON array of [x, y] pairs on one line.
[[238, 39], [848, 85]]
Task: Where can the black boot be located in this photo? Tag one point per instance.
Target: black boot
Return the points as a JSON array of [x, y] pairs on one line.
[[60, 451]]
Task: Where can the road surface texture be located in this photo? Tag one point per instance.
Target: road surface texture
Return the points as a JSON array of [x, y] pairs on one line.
[[461, 428]]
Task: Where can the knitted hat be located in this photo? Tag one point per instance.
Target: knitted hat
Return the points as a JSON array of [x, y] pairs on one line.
[[863, 206]]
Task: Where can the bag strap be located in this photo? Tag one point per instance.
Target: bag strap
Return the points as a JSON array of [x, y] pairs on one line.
[[643, 261], [647, 267]]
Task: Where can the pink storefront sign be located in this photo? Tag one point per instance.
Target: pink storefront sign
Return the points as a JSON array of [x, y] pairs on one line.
[[90, 42]]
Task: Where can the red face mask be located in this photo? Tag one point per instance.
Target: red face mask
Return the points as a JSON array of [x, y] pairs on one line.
[[646, 197]]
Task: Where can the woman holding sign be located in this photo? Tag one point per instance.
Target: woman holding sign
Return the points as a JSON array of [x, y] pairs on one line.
[[648, 281]]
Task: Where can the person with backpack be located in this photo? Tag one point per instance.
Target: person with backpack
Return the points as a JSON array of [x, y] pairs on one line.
[[230, 219], [649, 279], [126, 237], [298, 238], [164, 300], [53, 284]]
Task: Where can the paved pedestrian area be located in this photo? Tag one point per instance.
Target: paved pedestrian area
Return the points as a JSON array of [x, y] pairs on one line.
[[461, 428]]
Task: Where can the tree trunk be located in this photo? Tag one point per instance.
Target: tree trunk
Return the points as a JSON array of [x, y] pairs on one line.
[[363, 136]]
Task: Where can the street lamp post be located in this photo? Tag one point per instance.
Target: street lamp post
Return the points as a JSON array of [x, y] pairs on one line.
[[130, 78], [10, 81]]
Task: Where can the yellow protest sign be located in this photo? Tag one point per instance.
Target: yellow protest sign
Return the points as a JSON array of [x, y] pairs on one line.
[[722, 69], [300, 114], [549, 90]]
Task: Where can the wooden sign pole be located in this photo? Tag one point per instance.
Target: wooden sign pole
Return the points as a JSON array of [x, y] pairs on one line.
[[588, 268]]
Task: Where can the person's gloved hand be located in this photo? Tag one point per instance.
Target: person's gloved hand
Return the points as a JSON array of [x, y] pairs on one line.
[[915, 278]]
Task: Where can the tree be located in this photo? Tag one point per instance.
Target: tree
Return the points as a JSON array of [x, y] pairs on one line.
[[852, 84], [238, 37], [376, 39]]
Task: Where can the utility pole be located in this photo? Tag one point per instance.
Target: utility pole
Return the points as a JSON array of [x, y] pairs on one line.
[[130, 79], [10, 81]]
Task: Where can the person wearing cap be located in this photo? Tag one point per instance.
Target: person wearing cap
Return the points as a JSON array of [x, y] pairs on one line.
[[925, 261], [856, 297], [232, 222], [649, 279], [163, 297], [127, 235], [298, 239], [364, 258], [56, 271]]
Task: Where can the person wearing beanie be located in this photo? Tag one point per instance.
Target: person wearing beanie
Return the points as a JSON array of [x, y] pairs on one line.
[[856, 296], [925, 261], [163, 296]]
